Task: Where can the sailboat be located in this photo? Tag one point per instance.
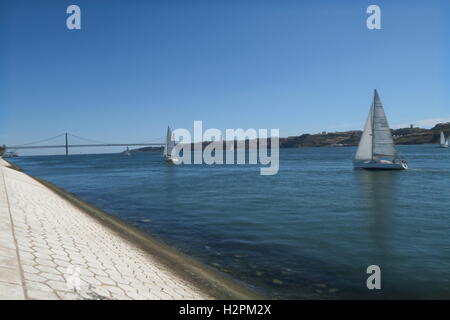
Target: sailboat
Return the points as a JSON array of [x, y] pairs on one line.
[[127, 152], [376, 148], [168, 147], [444, 141]]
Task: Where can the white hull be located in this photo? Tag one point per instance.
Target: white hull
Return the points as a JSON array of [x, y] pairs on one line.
[[380, 165], [174, 160]]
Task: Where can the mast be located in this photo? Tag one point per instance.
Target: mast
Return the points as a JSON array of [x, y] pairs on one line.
[[67, 146]]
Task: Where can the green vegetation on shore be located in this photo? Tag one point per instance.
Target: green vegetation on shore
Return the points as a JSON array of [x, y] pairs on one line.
[[350, 138]]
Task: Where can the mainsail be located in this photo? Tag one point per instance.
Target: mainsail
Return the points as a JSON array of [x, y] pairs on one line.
[[442, 139], [169, 143], [376, 141]]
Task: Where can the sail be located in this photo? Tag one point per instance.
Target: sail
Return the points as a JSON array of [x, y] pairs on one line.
[[442, 139], [447, 142], [169, 143], [376, 140], [383, 143], [364, 151]]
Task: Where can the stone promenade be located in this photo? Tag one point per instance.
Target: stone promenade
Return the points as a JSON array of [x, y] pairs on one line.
[[49, 249]]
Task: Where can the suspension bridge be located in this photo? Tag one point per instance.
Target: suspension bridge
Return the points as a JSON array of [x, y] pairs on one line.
[[86, 143]]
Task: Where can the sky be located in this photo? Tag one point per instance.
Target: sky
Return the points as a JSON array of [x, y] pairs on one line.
[[137, 66]]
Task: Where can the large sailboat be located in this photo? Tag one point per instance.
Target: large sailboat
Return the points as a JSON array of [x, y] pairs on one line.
[[168, 147], [376, 148], [444, 141]]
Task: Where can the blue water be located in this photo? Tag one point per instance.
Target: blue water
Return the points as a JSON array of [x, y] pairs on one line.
[[309, 232]]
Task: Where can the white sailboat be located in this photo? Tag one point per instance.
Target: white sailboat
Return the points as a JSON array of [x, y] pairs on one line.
[[127, 152], [376, 148], [168, 147], [444, 141]]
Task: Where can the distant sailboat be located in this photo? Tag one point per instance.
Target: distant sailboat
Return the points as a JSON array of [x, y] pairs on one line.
[[127, 152], [168, 147], [444, 141], [376, 148]]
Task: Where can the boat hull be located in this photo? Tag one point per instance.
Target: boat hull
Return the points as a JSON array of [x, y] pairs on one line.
[[173, 160], [376, 165]]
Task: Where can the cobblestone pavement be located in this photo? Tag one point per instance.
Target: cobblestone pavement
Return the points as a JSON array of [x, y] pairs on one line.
[[50, 249]]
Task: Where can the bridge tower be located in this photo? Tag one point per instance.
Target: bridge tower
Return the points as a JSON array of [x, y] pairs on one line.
[[67, 146]]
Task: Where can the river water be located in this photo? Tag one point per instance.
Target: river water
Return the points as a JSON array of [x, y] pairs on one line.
[[310, 231]]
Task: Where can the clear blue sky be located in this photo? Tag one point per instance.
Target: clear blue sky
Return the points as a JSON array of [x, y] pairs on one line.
[[137, 66]]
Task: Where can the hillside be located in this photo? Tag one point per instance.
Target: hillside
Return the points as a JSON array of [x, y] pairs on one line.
[[351, 138]]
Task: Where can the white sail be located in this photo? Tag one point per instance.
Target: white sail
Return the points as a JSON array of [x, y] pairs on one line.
[[443, 139], [364, 151], [169, 143], [376, 141], [383, 143], [446, 142]]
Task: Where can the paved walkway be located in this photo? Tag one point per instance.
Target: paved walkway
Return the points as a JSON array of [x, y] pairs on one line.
[[50, 249]]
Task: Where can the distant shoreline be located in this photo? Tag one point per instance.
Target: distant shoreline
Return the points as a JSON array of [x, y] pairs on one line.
[[403, 136]]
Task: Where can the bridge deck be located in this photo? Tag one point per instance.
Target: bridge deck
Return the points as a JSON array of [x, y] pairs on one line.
[[86, 145]]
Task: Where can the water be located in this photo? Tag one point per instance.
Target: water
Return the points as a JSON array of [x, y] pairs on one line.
[[309, 232]]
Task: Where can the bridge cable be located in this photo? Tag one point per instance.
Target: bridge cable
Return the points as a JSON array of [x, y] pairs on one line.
[[39, 141], [87, 139], [153, 140], [103, 142]]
